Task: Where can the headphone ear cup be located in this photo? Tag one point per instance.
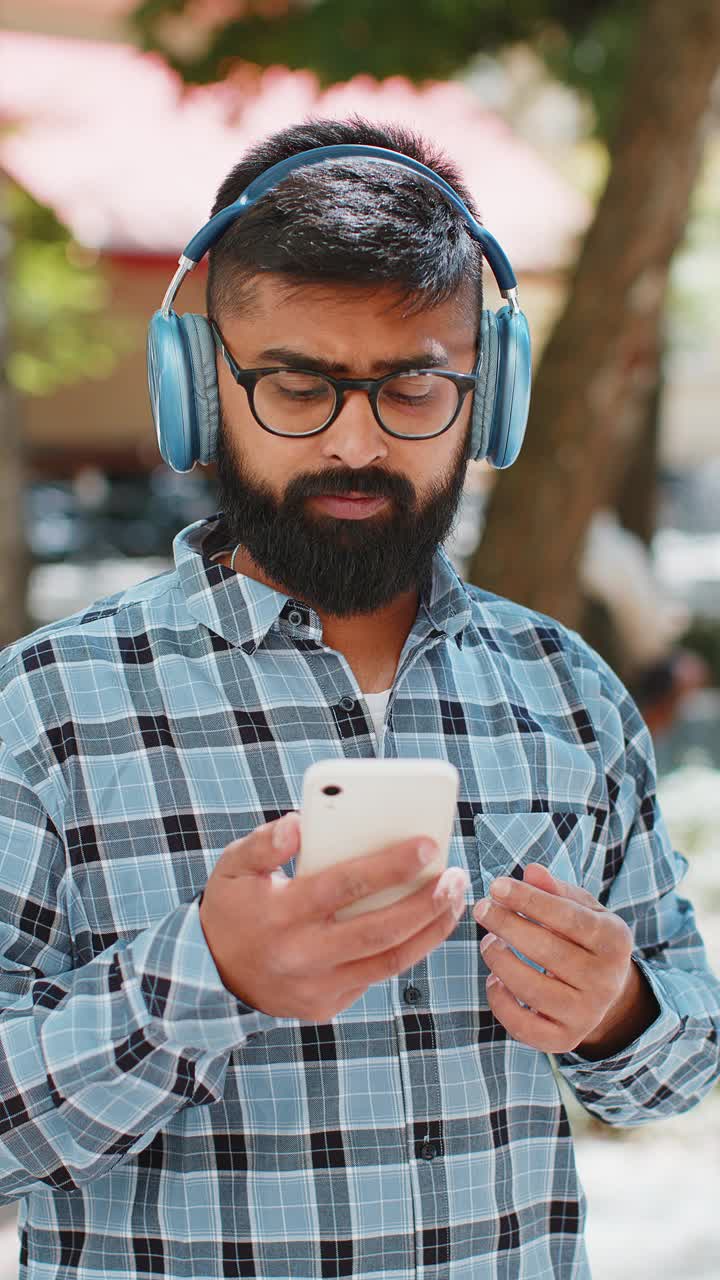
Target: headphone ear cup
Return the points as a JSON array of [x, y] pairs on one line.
[[512, 394], [201, 351], [486, 372], [182, 379], [172, 400]]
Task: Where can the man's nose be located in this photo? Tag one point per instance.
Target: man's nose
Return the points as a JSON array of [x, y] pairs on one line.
[[355, 438]]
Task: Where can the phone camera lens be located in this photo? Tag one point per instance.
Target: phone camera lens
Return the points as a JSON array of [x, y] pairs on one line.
[[331, 791]]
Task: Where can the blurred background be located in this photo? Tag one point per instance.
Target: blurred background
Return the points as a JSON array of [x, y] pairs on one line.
[[589, 134]]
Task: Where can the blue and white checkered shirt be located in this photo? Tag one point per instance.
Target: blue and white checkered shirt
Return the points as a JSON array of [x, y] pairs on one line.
[[151, 1123]]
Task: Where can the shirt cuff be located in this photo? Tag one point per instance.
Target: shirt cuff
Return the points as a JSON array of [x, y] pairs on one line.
[[182, 992], [642, 1052]]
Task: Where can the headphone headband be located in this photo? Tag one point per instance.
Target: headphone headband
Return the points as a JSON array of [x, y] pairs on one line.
[[210, 233], [182, 372]]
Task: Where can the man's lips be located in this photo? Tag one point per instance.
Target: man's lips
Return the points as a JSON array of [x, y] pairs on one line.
[[350, 506]]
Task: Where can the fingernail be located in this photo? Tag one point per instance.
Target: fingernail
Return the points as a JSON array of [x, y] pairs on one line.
[[427, 851], [489, 937], [451, 888], [500, 888], [284, 833], [457, 899], [481, 909]]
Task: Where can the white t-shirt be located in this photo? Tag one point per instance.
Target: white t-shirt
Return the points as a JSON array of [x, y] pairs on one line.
[[377, 703]]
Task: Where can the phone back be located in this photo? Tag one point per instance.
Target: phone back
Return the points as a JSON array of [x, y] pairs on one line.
[[355, 807]]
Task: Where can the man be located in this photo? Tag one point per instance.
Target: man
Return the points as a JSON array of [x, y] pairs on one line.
[[204, 1072]]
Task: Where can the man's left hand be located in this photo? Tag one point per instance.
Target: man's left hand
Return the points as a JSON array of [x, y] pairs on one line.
[[591, 996]]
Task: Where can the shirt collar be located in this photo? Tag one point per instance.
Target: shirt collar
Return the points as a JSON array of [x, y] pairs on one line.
[[243, 611]]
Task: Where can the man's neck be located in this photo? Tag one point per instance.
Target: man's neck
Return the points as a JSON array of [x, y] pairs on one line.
[[370, 643]]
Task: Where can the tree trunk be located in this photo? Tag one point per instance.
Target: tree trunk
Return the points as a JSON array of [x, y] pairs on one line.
[[13, 559], [598, 370], [636, 500]]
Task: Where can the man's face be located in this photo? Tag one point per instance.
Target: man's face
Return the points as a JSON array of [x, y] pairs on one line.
[[341, 561]]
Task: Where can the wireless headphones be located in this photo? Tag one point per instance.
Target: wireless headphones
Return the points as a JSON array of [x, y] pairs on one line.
[[181, 357]]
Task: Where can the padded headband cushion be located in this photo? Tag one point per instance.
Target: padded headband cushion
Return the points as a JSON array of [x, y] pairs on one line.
[[486, 370], [201, 349]]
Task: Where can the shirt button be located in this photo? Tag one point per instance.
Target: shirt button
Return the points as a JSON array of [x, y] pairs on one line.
[[347, 704], [428, 1151], [411, 995], [295, 617]]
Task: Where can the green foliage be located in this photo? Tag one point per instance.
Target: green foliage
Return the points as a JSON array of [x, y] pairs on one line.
[[584, 42], [594, 59], [58, 302]]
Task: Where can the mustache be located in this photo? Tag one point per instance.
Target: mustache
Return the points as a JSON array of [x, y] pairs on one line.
[[335, 482]]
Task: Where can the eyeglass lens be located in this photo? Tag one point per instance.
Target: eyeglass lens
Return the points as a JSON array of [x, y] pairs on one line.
[[410, 404]]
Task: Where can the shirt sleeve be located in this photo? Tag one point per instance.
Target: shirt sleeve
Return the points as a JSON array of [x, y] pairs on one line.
[[676, 1060], [95, 1060]]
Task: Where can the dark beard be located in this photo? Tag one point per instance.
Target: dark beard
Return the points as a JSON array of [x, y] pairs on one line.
[[338, 567]]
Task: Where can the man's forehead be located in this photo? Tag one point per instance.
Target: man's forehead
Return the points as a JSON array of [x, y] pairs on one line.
[[342, 318]]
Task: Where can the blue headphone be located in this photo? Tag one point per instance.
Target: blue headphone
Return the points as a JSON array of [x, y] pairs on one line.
[[181, 357]]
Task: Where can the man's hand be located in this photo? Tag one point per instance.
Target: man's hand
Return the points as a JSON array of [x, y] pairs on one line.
[[592, 997], [276, 943]]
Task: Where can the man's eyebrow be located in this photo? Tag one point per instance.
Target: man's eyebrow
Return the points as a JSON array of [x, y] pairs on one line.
[[435, 358]]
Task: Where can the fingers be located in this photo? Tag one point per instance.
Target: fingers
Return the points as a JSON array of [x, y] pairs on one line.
[[565, 916], [543, 993], [538, 875], [567, 960], [396, 959], [265, 849], [390, 927], [325, 892], [525, 1025]]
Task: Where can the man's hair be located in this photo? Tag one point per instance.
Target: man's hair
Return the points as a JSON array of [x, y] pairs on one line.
[[349, 221]]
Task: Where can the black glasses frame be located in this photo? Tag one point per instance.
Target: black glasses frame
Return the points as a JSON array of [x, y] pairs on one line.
[[248, 379]]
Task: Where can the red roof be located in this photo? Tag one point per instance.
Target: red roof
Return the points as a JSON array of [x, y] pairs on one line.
[[131, 161]]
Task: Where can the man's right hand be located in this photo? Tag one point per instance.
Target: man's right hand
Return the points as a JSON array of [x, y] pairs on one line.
[[276, 943]]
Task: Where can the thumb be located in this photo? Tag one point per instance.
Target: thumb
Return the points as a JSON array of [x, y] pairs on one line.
[[539, 877], [264, 850]]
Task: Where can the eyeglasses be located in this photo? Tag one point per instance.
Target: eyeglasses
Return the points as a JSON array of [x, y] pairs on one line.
[[410, 404]]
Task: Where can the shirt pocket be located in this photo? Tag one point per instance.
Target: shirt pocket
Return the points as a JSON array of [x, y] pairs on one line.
[[506, 843]]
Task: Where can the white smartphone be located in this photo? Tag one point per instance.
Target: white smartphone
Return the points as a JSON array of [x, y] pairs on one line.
[[355, 807]]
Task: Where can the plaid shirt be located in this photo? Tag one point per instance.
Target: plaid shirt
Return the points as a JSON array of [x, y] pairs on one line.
[[153, 1124]]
